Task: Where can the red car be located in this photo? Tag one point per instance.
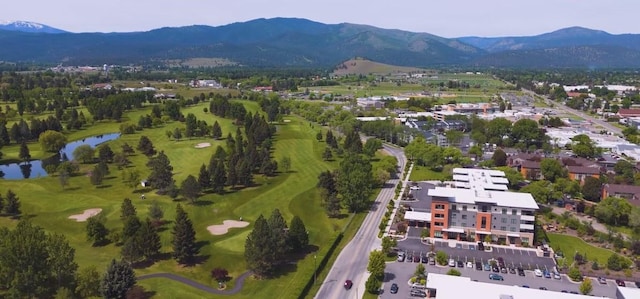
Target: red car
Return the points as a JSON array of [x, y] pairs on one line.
[[348, 284], [620, 283]]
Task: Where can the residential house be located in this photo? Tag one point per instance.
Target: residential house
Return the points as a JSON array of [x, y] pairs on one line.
[[625, 113], [629, 192], [580, 173]]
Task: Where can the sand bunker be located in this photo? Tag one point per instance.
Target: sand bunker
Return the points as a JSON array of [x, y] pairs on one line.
[[221, 229], [203, 145], [85, 215]]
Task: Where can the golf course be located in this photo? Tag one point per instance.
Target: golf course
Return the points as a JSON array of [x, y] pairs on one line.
[[49, 204]]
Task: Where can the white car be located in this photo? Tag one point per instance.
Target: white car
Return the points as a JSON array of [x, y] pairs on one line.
[[452, 263], [415, 188], [537, 272], [469, 265]]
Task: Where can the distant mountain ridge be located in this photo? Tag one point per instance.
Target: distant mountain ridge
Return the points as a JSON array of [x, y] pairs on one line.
[[293, 42], [24, 26]]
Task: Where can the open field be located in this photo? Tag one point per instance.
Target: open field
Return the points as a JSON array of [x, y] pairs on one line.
[[46, 204], [569, 245], [421, 173], [365, 67]]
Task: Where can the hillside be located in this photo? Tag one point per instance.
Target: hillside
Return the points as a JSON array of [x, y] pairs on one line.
[[291, 42], [361, 66]]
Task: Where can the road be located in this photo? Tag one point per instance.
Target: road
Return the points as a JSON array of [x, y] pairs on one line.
[[352, 262], [607, 126]]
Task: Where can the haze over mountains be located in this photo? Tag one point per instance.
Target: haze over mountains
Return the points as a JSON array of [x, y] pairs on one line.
[[292, 42]]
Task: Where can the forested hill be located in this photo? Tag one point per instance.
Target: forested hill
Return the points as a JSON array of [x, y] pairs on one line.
[[295, 42]]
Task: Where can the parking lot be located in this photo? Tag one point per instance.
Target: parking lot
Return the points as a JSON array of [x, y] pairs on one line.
[[401, 272]]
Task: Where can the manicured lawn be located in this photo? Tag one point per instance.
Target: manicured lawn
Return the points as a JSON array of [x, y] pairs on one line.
[[569, 245], [421, 173], [294, 193]]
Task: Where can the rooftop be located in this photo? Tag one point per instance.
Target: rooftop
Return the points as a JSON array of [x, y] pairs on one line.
[[500, 198], [456, 287], [480, 179], [628, 293]]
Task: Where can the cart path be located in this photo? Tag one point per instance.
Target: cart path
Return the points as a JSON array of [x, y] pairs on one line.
[[192, 283]]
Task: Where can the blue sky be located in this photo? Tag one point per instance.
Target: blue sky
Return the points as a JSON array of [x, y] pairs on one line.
[[445, 18]]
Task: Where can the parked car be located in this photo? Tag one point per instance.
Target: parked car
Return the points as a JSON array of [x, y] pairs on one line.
[[480, 246], [415, 188], [556, 275], [495, 269], [525, 286], [479, 266], [543, 288], [401, 256], [452, 263], [460, 264], [637, 284], [417, 293], [512, 270], [621, 283], [432, 261], [546, 274], [602, 280], [520, 271], [394, 288], [487, 267], [416, 258], [348, 284], [424, 259], [537, 272], [494, 276], [469, 265], [503, 270], [409, 257]]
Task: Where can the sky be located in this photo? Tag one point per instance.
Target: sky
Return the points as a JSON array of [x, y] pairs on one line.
[[453, 18]]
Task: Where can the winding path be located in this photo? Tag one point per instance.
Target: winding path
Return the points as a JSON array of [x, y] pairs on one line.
[[192, 283]]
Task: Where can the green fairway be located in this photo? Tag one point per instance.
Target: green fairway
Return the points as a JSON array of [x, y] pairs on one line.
[[46, 204], [569, 245]]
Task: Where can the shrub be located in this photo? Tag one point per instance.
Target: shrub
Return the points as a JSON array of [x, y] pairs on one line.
[[441, 258], [617, 262], [454, 272], [574, 274]]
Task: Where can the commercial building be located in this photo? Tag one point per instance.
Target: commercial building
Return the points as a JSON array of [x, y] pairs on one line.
[[442, 286], [627, 293], [479, 206]]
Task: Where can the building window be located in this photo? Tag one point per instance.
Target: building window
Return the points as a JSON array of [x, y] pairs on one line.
[[454, 207], [514, 221], [483, 223], [453, 223], [439, 216], [454, 215], [504, 211], [525, 240], [504, 220], [514, 212], [503, 228], [464, 216], [437, 234], [484, 209], [438, 224], [464, 208], [464, 224], [512, 229], [439, 207]]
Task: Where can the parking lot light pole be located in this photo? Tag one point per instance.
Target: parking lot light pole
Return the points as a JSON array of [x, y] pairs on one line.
[[315, 270]]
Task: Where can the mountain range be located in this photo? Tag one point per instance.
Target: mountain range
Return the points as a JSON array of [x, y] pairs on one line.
[[292, 42]]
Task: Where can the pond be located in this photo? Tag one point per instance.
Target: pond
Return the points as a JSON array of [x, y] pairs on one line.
[[35, 168]]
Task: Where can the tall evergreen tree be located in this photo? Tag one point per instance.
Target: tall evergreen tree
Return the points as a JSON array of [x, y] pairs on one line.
[[161, 175], [149, 240], [145, 146], [331, 140], [96, 230], [25, 156], [298, 235], [131, 250], [12, 204], [118, 279], [204, 179], [184, 238], [278, 237], [219, 177], [257, 249], [4, 134], [352, 142], [244, 173], [155, 211], [105, 154], [127, 209], [216, 131], [190, 188], [131, 226]]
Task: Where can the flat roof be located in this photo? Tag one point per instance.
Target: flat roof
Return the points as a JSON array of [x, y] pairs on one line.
[[480, 179], [456, 287], [417, 216], [500, 198], [629, 293]]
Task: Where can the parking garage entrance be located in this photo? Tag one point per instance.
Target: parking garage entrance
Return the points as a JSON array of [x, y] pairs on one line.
[[418, 219]]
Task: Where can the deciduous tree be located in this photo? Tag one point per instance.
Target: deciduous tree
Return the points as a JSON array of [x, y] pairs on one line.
[[354, 182], [52, 141], [84, 153], [376, 264]]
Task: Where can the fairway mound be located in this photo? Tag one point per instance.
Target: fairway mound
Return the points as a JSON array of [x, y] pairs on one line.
[[85, 215], [203, 145], [221, 229]]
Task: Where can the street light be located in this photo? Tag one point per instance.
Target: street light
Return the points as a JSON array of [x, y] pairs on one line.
[[315, 270]]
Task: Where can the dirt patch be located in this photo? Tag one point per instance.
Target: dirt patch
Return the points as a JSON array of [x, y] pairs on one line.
[[221, 229], [203, 145], [85, 215]]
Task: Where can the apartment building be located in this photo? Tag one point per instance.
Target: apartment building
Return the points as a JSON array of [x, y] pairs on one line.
[[480, 205]]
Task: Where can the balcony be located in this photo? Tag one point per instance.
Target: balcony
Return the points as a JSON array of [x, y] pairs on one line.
[[528, 217]]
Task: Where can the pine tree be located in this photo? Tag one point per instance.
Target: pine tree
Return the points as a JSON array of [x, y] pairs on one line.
[[96, 176], [298, 235], [184, 238], [1, 203], [257, 250], [127, 209], [216, 131], [131, 226], [149, 240], [190, 188], [96, 230], [131, 251], [278, 237], [220, 153], [145, 146], [25, 156], [105, 154], [12, 204], [331, 140], [219, 177], [352, 142], [243, 171], [327, 154], [155, 211], [118, 279], [127, 149], [4, 134], [161, 175], [204, 179]]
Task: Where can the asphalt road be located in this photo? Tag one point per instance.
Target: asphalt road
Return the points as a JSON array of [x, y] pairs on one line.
[[352, 262]]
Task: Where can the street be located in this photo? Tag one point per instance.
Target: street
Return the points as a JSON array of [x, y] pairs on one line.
[[351, 263]]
